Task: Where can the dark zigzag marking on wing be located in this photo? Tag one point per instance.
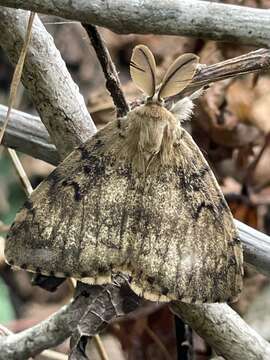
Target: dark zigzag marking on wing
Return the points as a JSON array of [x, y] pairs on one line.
[[215, 208]]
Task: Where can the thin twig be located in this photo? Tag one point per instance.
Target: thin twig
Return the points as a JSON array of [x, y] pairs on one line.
[[100, 348], [11, 101], [224, 330], [18, 73], [112, 80], [20, 171], [252, 62], [53, 355]]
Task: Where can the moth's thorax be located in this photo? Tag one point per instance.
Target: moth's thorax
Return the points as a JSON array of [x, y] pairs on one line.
[[152, 131]]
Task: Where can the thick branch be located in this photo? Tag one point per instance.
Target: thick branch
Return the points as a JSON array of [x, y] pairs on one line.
[[201, 19], [93, 308], [56, 97], [49, 333], [224, 330], [256, 247], [27, 134]]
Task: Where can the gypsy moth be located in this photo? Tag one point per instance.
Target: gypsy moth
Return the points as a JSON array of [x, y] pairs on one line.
[[138, 198]]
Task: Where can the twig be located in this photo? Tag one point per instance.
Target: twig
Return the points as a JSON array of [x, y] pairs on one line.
[[255, 61], [100, 347], [112, 80], [17, 73], [52, 355], [49, 333], [27, 134], [203, 19], [21, 173], [256, 247]]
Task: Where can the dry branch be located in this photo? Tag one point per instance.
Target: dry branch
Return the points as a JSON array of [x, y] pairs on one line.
[[256, 247], [203, 19], [17, 73], [254, 61], [49, 333], [27, 134], [112, 80], [224, 330], [93, 308], [45, 76]]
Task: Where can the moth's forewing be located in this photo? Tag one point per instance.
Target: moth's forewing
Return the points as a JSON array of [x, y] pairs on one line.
[[169, 228]]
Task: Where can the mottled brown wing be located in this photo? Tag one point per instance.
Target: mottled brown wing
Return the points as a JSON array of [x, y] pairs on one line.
[[71, 221], [171, 230], [189, 246]]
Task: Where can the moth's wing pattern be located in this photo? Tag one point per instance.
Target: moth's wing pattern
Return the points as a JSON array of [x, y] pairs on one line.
[[171, 230], [69, 224], [191, 247]]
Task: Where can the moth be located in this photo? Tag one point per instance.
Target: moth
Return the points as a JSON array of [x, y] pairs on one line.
[[137, 198]]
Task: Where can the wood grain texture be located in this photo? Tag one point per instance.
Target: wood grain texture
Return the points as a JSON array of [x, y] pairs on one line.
[[201, 19], [224, 330], [27, 134]]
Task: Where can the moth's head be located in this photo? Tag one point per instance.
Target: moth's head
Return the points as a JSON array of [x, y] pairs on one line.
[[175, 80]]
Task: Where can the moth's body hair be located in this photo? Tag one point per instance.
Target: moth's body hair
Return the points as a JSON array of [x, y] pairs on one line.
[[183, 109], [138, 198]]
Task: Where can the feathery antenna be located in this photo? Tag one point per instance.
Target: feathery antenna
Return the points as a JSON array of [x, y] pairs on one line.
[[143, 69], [179, 75]]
